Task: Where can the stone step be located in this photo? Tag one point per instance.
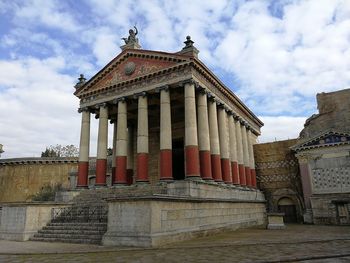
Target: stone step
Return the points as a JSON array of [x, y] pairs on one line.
[[75, 227], [66, 240], [69, 236], [72, 231]]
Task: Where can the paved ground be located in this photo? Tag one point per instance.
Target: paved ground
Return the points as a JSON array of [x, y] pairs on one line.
[[297, 243]]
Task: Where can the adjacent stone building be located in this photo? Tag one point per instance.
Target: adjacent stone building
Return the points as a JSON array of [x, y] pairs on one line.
[[323, 152], [278, 177]]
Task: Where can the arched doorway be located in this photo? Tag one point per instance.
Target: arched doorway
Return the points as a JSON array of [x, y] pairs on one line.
[[287, 206]]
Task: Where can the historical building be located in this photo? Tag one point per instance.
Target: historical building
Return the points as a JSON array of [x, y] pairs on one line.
[[182, 164], [323, 152], [278, 177], [173, 119]]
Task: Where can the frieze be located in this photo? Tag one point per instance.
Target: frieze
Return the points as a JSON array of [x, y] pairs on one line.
[[146, 84], [218, 94]]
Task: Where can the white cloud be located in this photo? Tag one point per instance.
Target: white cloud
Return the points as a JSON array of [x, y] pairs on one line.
[[280, 128], [45, 12]]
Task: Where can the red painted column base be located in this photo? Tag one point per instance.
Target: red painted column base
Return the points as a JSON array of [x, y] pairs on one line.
[[192, 161], [253, 174], [83, 172], [242, 178], [113, 174], [129, 176], [205, 165], [235, 172], [248, 176], [101, 171], [225, 166], [120, 170], [166, 164], [216, 167], [142, 167]]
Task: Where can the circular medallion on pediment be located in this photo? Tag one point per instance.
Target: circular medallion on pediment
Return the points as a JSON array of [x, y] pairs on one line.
[[129, 68]]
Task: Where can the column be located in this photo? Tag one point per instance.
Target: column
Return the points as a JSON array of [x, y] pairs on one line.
[[83, 166], [101, 160], [214, 142], [246, 154], [241, 169], [224, 144], [203, 136], [114, 149], [121, 153], [130, 155], [233, 150], [191, 140], [251, 158], [142, 138], [166, 162]]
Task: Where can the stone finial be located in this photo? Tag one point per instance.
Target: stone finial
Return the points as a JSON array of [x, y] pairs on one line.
[[189, 49], [131, 42], [81, 81]]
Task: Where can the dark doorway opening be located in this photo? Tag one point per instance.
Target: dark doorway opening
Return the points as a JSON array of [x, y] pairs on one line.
[[290, 214], [178, 159]]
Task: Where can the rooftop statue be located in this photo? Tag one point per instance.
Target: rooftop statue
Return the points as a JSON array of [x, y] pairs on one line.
[[132, 37]]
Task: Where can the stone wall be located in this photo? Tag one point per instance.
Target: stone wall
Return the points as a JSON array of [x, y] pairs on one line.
[[278, 174], [155, 221], [20, 179]]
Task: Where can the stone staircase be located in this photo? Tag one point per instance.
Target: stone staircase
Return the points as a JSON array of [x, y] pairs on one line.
[[84, 233], [86, 220]]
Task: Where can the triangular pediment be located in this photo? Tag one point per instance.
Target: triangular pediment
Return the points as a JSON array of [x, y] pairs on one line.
[[325, 139], [129, 65]]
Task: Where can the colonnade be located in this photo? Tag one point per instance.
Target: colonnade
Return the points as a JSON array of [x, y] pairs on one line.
[[217, 145]]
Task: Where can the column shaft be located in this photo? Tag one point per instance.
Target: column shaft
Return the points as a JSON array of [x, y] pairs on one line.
[[246, 155], [121, 153], [114, 149], [224, 146], [192, 169], [166, 166], [130, 156], [233, 151], [142, 139], [241, 168], [251, 158], [214, 142], [83, 166], [203, 136], [101, 160]]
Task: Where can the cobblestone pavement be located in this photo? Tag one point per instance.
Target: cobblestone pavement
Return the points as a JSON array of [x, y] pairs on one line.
[[297, 243]]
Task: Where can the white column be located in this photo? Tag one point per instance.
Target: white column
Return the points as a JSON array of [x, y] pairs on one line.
[[214, 141], [224, 145], [233, 150], [101, 159], [246, 154], [192, 169], [83, 166], [122, 135], [142, 138], [203, 136], [166, 172], [242, 179]]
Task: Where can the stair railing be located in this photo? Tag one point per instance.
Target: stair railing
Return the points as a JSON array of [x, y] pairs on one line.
[[79, 214]]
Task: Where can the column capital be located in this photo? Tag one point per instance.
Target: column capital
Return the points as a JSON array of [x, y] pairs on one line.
[[210, 96], [140, 94], [188, 81], [115, 101], [220, 104], [101, 105], [81, 109], [165, 87]]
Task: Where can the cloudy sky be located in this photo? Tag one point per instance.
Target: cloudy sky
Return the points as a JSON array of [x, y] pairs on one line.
[[275, 55]]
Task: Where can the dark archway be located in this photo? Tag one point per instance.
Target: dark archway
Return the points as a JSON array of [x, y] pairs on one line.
[[287, 206]]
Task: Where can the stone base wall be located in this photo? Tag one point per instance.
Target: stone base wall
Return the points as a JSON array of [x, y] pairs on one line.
[[19, 222], [20, 179], [155, 221], [331, 209]]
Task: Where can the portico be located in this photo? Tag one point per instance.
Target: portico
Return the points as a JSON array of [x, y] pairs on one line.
[[157, 100]]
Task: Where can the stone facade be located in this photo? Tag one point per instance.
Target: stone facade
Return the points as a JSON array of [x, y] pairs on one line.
[[279, 178], [323, 153], [22, 178]]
